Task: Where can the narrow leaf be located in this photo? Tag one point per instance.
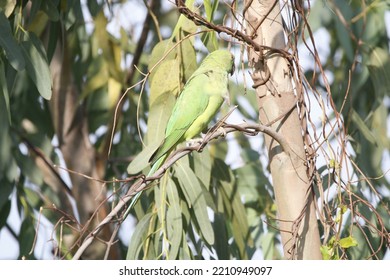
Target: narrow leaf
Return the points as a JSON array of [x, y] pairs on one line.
[[37, 67], [239, 226], [162, 50], [222, 242], [202, 166], [183, 23], [194, 194], [138, 237], [26, 239], [268, 245], [50, 8], [4, 213], [9, 44], [159, 114], [379, 68], [174, 222], [7, 6], [187, 58], [165, 80], [114, 91], [141, 161], [341, 31], [97, 76], [4, 95], [364, 129]]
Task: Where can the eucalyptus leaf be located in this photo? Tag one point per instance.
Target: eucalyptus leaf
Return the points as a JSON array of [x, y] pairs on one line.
[[138, 237], [184, 250], [375, 26], [159, 114], [54, 35], [358, 252], [34, 199], [9, 44], [9, 171], [202, 166], [342, 32], [141, 161], [5, 209], [165, 80], [50, 8], [164, 88], [222, 242], [184, 23], [187, 58], [4, 95], [98, 76], [7, 6], [26, 239], [162, 51], [268, 245], [379, 68], [240, 228], [174, 222], [37, 67], [5, 190], [194, 194], [364, 129], [38, 24], [34, 9]]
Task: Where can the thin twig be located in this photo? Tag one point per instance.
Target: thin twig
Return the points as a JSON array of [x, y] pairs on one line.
[[235, 33], [142, 184], [130, 76]]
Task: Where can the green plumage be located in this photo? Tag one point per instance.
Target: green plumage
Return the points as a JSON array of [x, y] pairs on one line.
[[199, 101]]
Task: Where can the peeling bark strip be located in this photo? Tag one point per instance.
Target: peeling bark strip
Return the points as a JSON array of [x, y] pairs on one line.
[[275, 96]]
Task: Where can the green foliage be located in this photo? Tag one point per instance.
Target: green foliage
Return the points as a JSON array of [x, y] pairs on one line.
[[202, 207], [190, 212], [193, 189], [359, 85], [10, 46], [331, 250]]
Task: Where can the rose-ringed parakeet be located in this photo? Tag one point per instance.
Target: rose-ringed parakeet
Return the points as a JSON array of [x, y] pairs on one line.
[[199, 101]]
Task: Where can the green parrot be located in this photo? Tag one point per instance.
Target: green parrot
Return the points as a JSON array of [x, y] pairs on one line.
[[199, 101]]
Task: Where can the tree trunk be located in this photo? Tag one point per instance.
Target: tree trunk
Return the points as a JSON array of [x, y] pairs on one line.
[[71, 128], [277, 104]]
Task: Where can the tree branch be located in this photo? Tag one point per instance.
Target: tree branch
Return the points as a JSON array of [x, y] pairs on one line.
[[217, 131], [235, 33]]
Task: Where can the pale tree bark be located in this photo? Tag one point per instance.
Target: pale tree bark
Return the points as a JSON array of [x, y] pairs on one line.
[[71, 127], [277, 104]]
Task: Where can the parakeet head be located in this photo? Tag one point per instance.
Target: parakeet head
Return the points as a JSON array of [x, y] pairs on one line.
[[221, 59]]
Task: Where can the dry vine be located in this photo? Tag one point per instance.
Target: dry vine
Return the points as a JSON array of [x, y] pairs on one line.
[[220, 129], [315, 144]]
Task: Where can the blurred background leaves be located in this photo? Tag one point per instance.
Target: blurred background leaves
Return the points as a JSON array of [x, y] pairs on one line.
[[209, 205]]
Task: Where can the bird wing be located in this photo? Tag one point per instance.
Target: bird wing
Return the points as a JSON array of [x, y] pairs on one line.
[[191, 103]]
